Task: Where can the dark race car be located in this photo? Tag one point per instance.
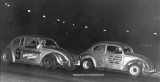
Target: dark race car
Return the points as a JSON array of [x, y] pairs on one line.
[[37, 50]]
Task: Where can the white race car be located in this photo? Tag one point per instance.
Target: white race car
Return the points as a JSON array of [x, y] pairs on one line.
[[110, 55], [38, 50]]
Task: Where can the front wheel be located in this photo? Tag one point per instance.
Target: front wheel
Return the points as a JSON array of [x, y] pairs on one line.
[[87, 64], [134, 70], [49, 62], [6, 57]]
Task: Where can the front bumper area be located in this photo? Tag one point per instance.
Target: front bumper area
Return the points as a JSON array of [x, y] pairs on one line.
[[149, 72], [75, 63], [72, 65], [153, 71]]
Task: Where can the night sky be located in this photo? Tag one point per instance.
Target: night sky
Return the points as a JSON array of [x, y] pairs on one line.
[[77, 24]]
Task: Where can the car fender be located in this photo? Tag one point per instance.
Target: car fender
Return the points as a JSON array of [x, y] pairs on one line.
[[137, 61], [13, 57], [56, 55], [92, 58]]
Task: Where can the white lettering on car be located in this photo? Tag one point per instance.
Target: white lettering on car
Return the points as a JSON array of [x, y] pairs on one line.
[[30, 56]]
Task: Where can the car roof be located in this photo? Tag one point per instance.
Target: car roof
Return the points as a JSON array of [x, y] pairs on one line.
[[111, 43], [35, 36]]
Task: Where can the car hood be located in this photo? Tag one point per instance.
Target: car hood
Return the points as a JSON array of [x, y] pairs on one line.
[[136, 55]]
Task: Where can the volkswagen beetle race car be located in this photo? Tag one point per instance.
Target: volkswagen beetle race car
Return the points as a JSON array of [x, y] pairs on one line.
[[116, 56], [38, 50]]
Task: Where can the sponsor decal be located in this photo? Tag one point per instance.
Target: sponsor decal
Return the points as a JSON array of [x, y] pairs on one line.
[[114, 59], [30, 51], [30, 56]]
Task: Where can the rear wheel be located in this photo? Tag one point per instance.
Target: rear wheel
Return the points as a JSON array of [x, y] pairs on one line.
[[135, 70], [49, 62], [87, 64], [6, 57]]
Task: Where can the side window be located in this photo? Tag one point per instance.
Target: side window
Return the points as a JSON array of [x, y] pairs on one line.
[[22, 41], [113, 50], [16, 42], [99, 48], [50, 43], [30, 43]]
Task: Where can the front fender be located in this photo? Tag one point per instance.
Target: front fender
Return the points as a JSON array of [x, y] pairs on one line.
[[93, 59]]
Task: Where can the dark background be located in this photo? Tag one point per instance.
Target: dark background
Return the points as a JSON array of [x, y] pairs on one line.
[[77, 24]]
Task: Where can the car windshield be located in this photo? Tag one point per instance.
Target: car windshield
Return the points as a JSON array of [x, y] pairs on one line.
[[127, 48], [50, 43]]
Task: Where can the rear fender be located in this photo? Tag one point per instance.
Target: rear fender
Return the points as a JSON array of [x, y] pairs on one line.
[[13, 57], [139, 62]]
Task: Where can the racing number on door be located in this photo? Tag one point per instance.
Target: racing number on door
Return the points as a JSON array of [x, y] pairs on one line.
[[18, 53]]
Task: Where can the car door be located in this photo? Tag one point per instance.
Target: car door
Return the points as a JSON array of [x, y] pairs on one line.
[[114, 57], [30, 52], [98, 53]]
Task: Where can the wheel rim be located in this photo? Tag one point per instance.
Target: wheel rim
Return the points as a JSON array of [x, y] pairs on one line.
[[5, 57], [48, 63], [86, 65], [134, 70]]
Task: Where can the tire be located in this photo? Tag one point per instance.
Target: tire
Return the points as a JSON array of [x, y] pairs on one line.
[[6, 57], [49, 62], [135, 70], [87, 64]]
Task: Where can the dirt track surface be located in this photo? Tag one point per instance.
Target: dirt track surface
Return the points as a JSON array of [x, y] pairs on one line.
[[29, 73]]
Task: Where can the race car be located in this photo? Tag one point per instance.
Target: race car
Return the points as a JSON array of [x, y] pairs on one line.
[[116, 56], [38, 50]]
